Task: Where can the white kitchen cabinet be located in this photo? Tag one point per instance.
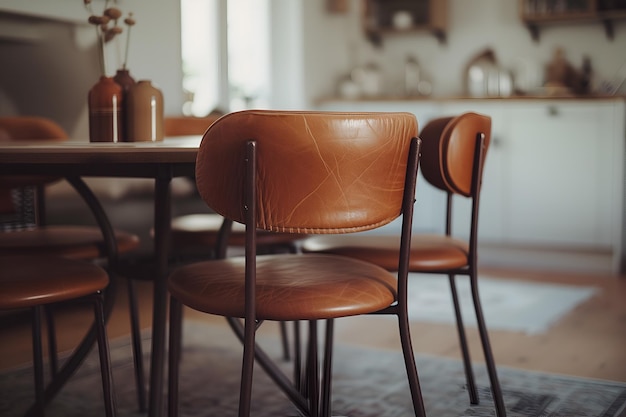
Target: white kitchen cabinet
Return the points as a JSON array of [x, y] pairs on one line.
[[554, 173], [550, 175], [561, 170]]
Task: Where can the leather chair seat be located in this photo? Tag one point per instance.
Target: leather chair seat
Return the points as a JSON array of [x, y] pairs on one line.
[[24, 283], [301, 287], [76, 242], [428, 252]]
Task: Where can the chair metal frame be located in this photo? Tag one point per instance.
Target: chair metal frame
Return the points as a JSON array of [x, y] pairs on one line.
[[471, 270], [43, 393]]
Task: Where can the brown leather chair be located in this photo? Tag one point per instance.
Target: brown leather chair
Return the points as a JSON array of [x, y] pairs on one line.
[[300, 172], [26, 231], [37, 281], [453, 153]]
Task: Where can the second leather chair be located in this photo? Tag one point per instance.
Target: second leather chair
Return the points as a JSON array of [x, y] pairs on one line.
[[453, 154]]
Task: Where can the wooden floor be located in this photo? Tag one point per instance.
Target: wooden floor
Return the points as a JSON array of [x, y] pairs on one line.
[[589, 342]]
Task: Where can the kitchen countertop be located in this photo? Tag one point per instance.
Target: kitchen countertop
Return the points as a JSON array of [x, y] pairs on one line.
[[461, 97]]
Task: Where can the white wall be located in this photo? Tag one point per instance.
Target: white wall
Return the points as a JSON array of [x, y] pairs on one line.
[[155, 54], [473, 26], [313, 48], [156, 51], [288, 85]]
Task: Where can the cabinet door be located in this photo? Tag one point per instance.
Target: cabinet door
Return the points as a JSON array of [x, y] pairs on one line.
[[559, 158]]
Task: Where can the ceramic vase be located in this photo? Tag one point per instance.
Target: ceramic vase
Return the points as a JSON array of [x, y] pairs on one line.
[[145, 113], [126, 81], [105, 101]]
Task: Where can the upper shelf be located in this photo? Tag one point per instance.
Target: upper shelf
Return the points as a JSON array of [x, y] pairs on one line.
[[537, 13], [391, 17]]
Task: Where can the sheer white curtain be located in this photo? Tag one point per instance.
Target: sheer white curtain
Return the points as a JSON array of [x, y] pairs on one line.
[[226, 54]]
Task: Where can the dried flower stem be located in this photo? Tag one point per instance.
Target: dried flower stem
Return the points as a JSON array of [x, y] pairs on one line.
[[89, 8], [103, 31], [130, 22]]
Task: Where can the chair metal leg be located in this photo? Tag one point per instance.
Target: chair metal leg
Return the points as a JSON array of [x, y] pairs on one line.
[[140, 380], [52, 341], [105, 358], [327, 375], [38, 361], [176, 318], [272, 370], [297, 362], [312, 370], [409, 363], [484, 338], [247, 368], [467, 362], [285, 339]]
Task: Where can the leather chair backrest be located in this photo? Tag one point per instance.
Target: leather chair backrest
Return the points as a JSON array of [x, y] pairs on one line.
[[448, 147], [188, 125], [317, 172], [31, 128], [16, 128]]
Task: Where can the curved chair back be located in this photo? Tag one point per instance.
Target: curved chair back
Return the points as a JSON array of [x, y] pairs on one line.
[[31, 128], [21, 128], [188, 125], [16, 128], [306, 176], [449, 148]]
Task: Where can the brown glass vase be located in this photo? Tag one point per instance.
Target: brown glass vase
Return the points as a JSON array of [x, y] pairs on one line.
[[145, 113], [126, 81], [105, 101]]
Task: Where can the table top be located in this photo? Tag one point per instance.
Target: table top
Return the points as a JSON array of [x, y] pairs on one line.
[[122, 159], [178, 149]]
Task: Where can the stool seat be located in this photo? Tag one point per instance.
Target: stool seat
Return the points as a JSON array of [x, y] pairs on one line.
[[76, 242], [288, 287], [27, 283], [202, 230], [428, 252], [34, 282]]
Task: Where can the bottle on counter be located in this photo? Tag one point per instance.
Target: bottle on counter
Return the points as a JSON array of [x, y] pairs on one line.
[[126, 81], [145, 113], [585, 76], [411, 77], [105, 102]]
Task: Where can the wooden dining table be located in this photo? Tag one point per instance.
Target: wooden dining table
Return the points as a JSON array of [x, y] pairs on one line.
[[161, 161]]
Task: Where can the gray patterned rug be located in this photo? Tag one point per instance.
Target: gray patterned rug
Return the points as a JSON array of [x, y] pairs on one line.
[[366, 383]]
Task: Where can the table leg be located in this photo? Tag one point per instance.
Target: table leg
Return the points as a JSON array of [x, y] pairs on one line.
[[162, 218]]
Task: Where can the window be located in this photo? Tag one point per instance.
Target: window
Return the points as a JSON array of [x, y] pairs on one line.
[[209, 39]]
